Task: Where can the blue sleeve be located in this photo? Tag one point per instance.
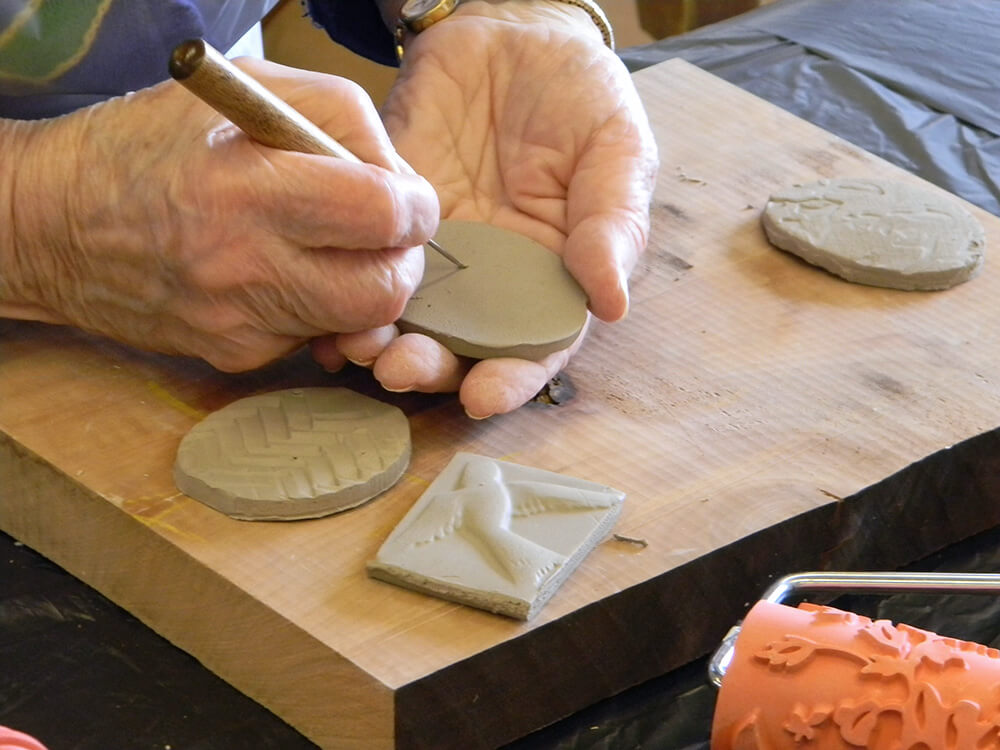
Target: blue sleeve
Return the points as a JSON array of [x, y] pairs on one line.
[[357, 25], [61, 55]]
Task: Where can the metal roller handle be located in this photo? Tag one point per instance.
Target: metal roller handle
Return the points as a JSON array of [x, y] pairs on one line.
[[856, 583]]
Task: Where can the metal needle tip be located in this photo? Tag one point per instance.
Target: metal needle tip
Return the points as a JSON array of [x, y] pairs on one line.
[[446, 254]]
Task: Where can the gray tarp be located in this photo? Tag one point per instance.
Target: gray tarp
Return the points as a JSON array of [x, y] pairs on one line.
[[913, 81]]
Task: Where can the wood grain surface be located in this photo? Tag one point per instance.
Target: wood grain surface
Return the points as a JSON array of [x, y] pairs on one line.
[[759, 414]]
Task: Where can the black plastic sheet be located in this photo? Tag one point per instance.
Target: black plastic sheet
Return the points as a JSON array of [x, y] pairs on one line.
[[912, 81], [79, 673]]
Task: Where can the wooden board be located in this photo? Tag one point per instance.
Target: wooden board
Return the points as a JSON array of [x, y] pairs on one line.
[[750, 407]]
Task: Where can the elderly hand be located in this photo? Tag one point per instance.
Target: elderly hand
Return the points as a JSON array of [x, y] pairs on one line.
[[152, 220], [522, 118]]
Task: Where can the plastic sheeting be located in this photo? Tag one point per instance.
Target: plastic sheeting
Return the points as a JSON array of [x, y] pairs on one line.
[[913, 81], [909, 80]]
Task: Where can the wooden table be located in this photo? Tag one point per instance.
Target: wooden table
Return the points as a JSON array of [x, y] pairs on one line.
[[759, 414]]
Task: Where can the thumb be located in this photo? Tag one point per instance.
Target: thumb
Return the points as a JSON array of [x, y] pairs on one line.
[[319, 201]]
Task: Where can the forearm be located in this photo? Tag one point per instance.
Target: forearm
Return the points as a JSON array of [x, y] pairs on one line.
[[30, 190], [148, 219]]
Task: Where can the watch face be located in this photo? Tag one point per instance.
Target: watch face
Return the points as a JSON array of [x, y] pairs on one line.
[[417, 8]]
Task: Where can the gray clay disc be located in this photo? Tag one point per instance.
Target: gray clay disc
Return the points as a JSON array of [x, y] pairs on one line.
[[515, 299], [298, 453], [878, 232]]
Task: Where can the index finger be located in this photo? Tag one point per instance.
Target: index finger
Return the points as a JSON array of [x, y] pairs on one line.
[[338, 106]]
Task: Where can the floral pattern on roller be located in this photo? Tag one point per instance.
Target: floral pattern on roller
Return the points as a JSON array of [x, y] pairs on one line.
[[906, 660]]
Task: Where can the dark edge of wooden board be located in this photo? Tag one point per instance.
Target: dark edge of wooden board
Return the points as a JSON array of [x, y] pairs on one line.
[[672, 619]]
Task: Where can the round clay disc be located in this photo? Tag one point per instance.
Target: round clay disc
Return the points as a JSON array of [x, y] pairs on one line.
[[515, 298], [878, 232], [298, 453]]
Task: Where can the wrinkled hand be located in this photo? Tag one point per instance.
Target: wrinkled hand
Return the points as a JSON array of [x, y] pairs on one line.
[[521, 118], [152, 220]]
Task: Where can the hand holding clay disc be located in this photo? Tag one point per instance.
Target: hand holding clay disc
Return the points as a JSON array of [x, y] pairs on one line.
[[538, 130], [514, 305]]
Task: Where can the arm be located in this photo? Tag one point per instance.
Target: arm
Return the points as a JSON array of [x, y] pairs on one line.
[[151, 220], [17, 279]]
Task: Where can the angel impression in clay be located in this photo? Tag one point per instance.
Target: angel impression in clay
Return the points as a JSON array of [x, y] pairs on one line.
[[478, 515]]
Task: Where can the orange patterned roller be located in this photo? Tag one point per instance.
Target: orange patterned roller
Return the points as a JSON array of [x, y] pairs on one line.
[[818, 678]]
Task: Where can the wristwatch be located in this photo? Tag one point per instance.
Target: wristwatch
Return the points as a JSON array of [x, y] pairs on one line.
[[417, 15]]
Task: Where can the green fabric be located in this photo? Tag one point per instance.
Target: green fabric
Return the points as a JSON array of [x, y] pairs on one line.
[[49, 37]]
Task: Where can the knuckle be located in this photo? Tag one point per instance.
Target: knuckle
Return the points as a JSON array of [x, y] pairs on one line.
[[230, 362], [221, 271], [402, 212], [386, 294], [354, 93], [234, 356], [384, 306], [386, 210], [227, 341]]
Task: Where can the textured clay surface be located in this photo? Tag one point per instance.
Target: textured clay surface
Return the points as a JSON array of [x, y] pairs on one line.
[[823, 679], [515, 298], [298, 453], [881, 233], [496, 535]]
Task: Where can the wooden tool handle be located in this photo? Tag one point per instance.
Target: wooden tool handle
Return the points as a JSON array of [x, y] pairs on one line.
[[207, 73]]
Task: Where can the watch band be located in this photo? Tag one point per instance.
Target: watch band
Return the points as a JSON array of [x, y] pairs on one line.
[[417, 15], [444, 8]]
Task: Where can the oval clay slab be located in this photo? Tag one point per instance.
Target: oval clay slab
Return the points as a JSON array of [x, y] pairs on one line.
[[297, 453], [514, 299], [878, 232]]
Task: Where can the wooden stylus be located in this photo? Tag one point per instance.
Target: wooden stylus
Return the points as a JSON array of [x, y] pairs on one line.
[[271, 121]]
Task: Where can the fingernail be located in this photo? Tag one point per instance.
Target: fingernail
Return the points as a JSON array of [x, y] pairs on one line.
[[623, 291], [398, 390], [470, 415], [361, 362]]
